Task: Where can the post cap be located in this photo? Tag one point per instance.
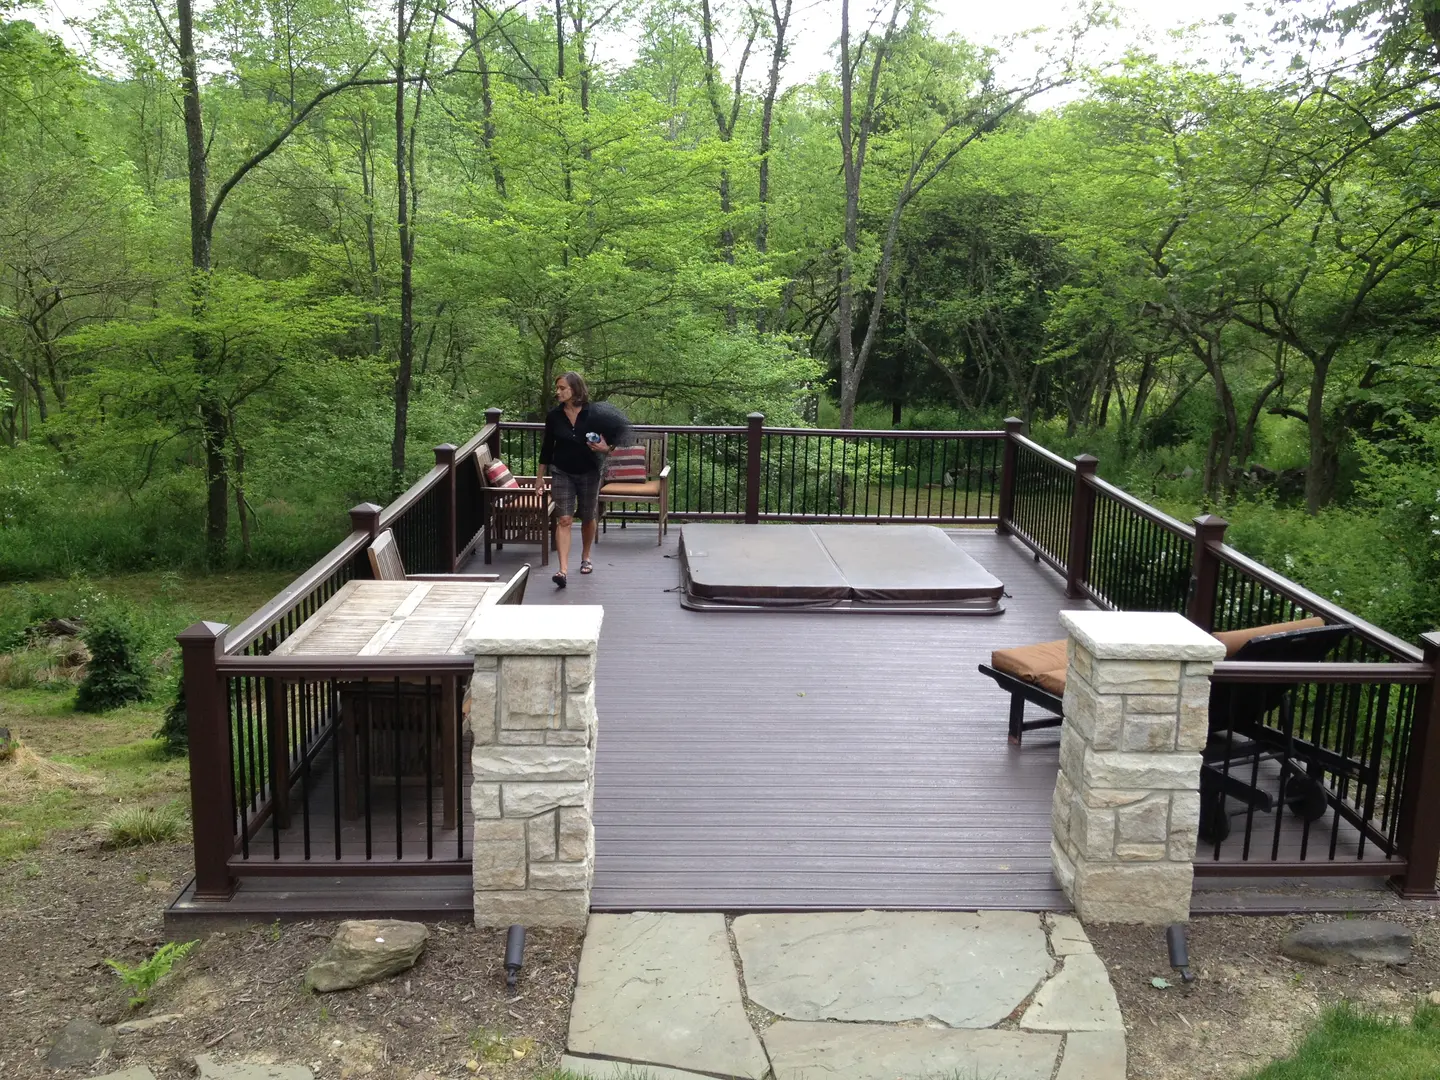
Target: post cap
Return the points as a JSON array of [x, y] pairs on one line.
[[1211, 522], [1014, 423], [201, 633], [1087, 463], [445, 453], [755, 417]]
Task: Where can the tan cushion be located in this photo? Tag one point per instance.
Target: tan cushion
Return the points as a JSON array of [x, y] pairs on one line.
[[1053, 681], [1030, 662], [1234, 639], [649, 489]]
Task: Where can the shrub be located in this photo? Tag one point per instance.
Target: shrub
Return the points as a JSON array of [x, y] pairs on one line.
[[175, 732], [117, 675], [135, 826]]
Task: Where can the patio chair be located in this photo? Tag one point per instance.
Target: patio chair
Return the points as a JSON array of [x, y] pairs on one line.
[[1240, 737], [515, 514], [386, 565], [651, 490]]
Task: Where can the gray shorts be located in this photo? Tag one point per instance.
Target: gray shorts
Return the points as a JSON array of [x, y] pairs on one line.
[[575, 494]]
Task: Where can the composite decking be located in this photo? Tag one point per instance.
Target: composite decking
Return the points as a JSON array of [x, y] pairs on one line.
[[776, 760]]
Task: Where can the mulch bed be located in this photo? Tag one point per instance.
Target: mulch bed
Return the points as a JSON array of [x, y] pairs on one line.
[[70, 906], [1248, 1004]]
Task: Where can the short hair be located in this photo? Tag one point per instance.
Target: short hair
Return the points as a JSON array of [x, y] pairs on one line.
[[579, 392]]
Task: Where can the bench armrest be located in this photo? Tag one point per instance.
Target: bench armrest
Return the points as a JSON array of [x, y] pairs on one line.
[[453, 577]]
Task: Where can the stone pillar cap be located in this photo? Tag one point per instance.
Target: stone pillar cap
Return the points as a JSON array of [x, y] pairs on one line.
[[1140, 635], [541, 630]]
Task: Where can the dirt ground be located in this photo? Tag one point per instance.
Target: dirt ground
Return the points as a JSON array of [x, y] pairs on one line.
[[69, 906], [1248, 1004]]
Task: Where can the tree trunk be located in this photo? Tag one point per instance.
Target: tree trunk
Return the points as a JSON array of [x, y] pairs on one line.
[[781, 22], [213, 417], [407, 292], [1324, 447], [367, 186]]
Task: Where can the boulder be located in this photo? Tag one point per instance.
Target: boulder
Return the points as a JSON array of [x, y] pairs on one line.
[[365, 951], [80, 1042], [1349, 941]]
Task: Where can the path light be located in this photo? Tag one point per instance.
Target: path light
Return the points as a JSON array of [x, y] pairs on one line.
[[514, 954], [1179, 951]]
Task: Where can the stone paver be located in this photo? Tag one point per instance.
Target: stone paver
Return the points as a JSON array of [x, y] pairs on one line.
[[623, 1070], [1093, 1055], [80, 1042], [1067, 936], [1349, 941], [963, 969], [1078, 998], [138, 1072], [210, 1069], [662, 988], [805, 1051]]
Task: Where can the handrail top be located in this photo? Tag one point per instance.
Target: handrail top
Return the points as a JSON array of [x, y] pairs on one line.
[[349, 666], [701, 429], [1259, 671], [1145, 510], [240, 636], [1048, 455], [1317, 604]]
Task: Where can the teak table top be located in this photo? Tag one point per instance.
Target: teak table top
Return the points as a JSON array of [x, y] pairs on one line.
[[392, 618]]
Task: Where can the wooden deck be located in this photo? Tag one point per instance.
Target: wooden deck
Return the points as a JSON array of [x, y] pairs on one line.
[[810, 761]]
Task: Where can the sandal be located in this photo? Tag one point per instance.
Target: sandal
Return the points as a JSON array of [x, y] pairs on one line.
[[559, 579], [586, 567]]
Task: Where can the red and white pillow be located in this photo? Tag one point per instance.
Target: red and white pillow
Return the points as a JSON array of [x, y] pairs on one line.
[[497, 474], [626, 465]]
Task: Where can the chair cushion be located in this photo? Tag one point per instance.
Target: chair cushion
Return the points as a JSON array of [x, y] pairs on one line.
[[497, 474], [626, 465], [1043, 664], [649, 489], [1233, 640]]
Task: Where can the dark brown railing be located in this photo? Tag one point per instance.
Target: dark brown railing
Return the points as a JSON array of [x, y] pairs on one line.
[[263, 729]]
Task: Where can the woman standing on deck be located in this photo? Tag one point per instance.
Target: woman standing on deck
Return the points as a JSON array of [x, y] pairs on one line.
[[575, 438]]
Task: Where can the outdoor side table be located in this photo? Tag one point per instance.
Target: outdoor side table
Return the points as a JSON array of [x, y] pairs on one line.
[[388, 728]]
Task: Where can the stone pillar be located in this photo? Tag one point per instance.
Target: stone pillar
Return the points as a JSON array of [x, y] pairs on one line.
[[532, 712], [1127, 802]]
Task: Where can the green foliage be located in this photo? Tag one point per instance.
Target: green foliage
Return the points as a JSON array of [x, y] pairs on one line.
[[1348, 1044], [174, 734], [136, 826], [116, 673], [142, 977]]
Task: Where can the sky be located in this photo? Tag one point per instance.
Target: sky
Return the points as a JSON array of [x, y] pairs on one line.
[[1149, 24]]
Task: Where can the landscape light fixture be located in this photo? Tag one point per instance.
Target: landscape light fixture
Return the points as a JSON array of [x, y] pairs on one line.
[[514, 954], [1179, 951]]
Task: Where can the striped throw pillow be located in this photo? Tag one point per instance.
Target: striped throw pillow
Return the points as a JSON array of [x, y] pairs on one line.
[[626, 465], [497, 474]]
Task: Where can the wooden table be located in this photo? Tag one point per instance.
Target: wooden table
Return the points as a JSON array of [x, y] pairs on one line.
[[395, 618]]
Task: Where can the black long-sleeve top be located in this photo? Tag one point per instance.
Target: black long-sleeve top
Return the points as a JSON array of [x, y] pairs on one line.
[[564, 445]]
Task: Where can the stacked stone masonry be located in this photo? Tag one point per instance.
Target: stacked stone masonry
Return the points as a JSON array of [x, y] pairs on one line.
[[533, 720], [1126, 809]]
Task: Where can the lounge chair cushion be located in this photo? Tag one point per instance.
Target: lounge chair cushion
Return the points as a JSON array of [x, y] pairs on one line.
[[1233, 640], [650, 489], [1043, 664]]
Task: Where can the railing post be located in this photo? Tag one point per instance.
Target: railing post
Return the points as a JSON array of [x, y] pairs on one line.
[[754, 430], [365, 518], [1418, 835], [492, 416], [1009, 460], [1205, 571], [1082, 521], [207, 719], [445, 456]]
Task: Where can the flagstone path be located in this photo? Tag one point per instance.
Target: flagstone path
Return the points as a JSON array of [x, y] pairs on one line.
[[860, 995]]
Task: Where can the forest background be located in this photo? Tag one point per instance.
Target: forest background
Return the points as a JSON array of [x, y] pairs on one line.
[[257, 257]]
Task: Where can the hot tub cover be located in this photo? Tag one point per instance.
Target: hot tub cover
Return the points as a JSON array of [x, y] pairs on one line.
[[895, 568]]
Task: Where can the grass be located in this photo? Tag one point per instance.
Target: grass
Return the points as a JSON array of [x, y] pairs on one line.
[[75, 770], [135, 826], [1350, 1045]]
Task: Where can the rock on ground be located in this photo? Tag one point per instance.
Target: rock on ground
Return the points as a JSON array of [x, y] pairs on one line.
[[139, 1072], [210, 1069], [365, 951], [1349, 941], [80, 1042]]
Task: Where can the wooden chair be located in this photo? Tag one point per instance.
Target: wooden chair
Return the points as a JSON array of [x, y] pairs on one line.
[[385, 564], [516, 515], [654, 491], [514, 591]]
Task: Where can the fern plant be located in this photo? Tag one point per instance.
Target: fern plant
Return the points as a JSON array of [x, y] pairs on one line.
[[142, 977]]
